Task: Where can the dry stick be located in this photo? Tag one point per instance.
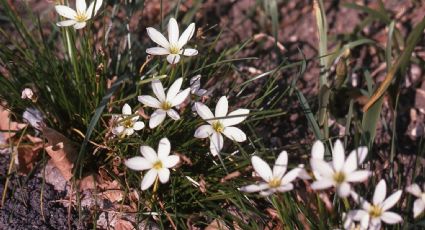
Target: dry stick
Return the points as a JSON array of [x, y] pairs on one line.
[[167, 215]]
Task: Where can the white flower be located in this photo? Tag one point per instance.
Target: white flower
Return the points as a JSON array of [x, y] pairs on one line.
[[34, 117], [195, 86], [27, 93], [371, 215], [419, 204], [127, 123], [164, 104], [219, 124], [157, 164], [276, 180], [340, 173], [173, 47], [78, 18]]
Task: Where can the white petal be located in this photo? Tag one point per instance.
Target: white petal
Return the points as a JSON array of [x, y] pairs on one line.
[[148, 153], [180, 97], [358, 176], [234, 133], [360, 200], [361, 154], [216, 143], [66, 11], [173, 31], [157, 37], [380, 192], [66, 23], [291, 175], [375, 224], [173, 58], [138, 125], [235, 117], [391, 200], [322, 184], [318, 150], [173, 114], [418, 207], [157, 51], [171, 161], [138, 163], [364, 222], [357, 215], [415, 190], [267, 192], [149, 101], [254, 187], [90, 12], [285, 187], [158, 90], [344, 189], [174, 89], [81, 6], [186, 35], [280, 165], [79, 25], [129, 131], [126, 109], [164, 148], [118, 130], [157, 118], [149, 179], [189, 52], [203, 131], [322, 167], [164, 175], [262, 168], [391, 218], [222, 107], [204, 112], [338, 156]]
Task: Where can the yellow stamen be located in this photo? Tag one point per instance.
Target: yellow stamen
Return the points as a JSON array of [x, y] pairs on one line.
[[218, 126], [81, 17], [174, 49], [128, 123], [375, 211], [157, 165], [166, 105], [339, 177], [274, 183]]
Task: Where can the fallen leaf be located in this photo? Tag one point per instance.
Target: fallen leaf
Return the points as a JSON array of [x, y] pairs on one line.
[[217, 225], [61, 150], [28, 154], [8, 128], [124, 225]]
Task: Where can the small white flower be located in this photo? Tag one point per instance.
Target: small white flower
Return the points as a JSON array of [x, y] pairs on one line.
[[127, 123], [276, 180], [341, 172], [219, 124], [419, 204], [27, 93], [157, 164], [195, 86], [164, 104], [78, 18], [173, 47], [370, 216]]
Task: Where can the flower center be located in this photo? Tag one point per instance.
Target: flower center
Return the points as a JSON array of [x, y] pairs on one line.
[[218, 126], [274, 183], [128, 123], [174, 49], [339, 177], [81, 17], [157, 165], [375, 211], [166, 105]]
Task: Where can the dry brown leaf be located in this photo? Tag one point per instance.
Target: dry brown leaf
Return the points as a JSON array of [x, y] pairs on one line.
[[124, 225], [7, 124], [217, 225], [28, 154], [61, 150]]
